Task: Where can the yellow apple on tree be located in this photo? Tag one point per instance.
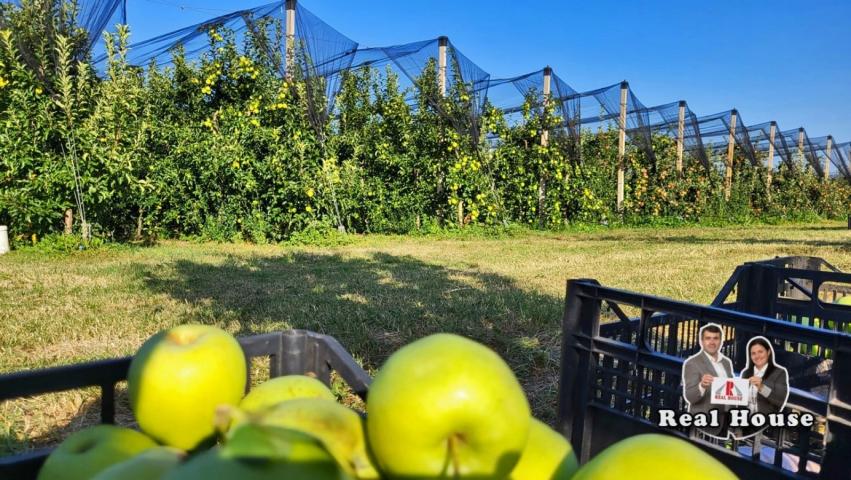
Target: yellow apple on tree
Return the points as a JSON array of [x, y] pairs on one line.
[[178, 378], [87, 452], [446, 406]]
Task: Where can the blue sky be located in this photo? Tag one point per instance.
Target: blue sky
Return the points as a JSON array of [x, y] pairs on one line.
[[781, 60]]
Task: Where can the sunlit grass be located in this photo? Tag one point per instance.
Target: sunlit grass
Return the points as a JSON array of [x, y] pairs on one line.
[[374, 295]]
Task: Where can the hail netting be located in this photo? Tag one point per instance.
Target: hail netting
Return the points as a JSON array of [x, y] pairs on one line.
[[714, 131], [760, 136], [93, 16], [824, 149], [513, 95], [320, 53], [665, 120], [82, 21], [801, 151], [842, 159], [456, 99]]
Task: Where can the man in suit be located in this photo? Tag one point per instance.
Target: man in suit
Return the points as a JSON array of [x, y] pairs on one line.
[[700, 370]]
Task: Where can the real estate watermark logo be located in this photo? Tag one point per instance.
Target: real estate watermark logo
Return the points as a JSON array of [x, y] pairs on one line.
[[723, 403]]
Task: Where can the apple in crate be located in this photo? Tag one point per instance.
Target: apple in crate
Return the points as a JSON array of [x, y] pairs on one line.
[[87, 452], [178, 378], [149, 465], [445, 406], [654, 456], [256, 452], [281, 389], [547, 456], [339, 428]]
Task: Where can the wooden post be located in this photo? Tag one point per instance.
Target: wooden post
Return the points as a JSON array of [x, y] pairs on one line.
[[442, 42], [545, 140], [731, 149], [548, 75], [290, 37], [771, 133], [681, 130], [622, 144], [801, 147], [69, 221], [827, 158]]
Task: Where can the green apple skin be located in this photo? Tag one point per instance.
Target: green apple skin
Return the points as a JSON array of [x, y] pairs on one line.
[[262, 454], [281, 389], [446, 406], [87, 452], [547, 456], [178, 378], [149, 465], [846, 300], [340, 429], [654, 457]]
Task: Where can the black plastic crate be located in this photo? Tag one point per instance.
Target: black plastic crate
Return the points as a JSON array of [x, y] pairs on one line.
[[290, 352], [615, 380], [800, 290]]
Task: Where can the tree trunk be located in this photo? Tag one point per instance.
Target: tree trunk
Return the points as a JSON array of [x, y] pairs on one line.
[[69, 221]]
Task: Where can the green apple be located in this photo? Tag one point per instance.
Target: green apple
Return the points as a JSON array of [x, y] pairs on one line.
[[340, 429], [256, 452], [85, 453], [149, 465], [846, 300], [178, 378], [446, 406], [284, 388], [654, 456], [547, 456]]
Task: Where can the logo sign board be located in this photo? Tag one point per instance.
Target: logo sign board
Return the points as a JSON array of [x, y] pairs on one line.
[[730, 391]]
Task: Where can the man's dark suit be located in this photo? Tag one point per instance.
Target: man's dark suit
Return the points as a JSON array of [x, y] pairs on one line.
[[694, 368]]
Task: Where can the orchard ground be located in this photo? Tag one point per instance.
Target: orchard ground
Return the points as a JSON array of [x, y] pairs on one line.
[[373, 293]]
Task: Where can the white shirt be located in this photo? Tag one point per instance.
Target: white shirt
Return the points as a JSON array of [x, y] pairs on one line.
[[765, 390], [718, 365]]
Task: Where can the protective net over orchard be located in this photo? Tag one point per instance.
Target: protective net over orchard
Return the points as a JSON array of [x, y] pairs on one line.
[[299, 45], [91, 18]]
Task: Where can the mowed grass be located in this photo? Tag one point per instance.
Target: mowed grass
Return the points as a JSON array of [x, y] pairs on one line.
[[374, 295]]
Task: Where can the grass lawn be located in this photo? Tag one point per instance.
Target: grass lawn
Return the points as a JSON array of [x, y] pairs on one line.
[[374, 295]]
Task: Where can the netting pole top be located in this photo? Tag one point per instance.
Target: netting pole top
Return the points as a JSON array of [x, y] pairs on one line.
[[731, 149], [681, 128], [622, 143], [290, 6], [442, 43], [801, 147]]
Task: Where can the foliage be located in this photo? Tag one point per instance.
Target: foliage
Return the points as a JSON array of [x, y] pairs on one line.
[[223, 148]]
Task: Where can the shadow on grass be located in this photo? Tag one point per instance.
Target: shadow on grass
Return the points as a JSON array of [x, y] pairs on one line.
[[373, 304], [700, 240]]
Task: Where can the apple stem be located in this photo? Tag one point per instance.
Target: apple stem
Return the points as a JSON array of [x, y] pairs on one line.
[[453, 454]]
